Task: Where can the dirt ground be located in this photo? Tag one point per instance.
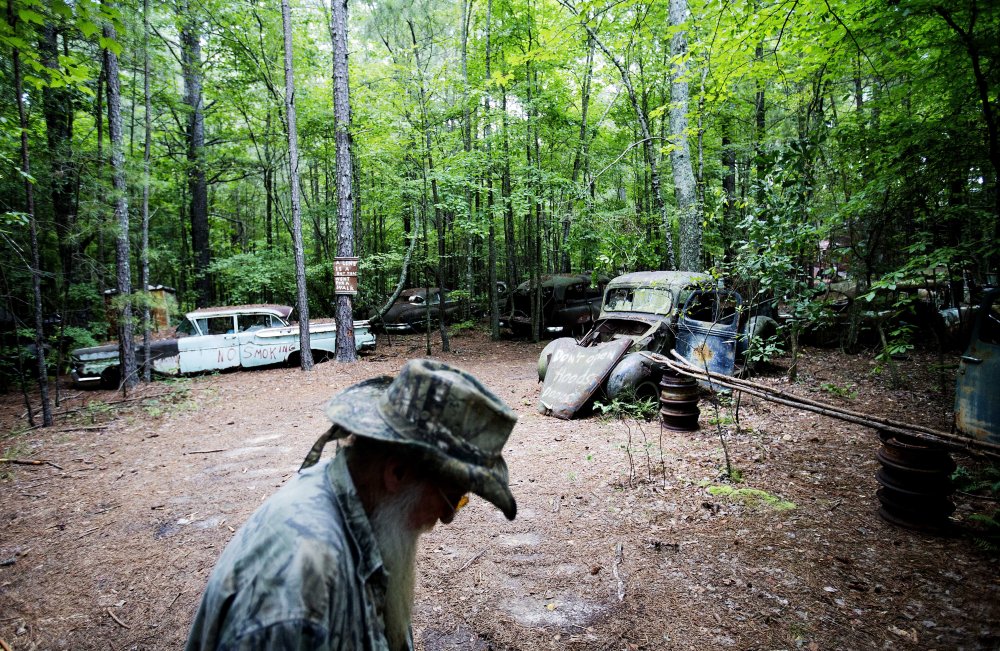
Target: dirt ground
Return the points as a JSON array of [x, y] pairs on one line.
[[110, 543]]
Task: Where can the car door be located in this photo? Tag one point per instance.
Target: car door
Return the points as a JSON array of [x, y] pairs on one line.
[[216, 348], [707, 327], [977, 411]]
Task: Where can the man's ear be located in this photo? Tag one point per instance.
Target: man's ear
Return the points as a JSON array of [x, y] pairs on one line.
[[394, 475]]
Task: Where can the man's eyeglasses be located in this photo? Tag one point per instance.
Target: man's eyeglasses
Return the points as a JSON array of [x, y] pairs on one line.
[[455, 507]]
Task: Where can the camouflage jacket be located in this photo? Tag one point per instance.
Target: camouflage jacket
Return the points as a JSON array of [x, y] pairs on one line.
[[304, 572]]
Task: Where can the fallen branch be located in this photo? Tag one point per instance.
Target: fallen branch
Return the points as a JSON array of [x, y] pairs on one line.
[[614, 570], [206, 451], [31, 462], [120, 622], [4, 646], [946, 439], [471, 561]]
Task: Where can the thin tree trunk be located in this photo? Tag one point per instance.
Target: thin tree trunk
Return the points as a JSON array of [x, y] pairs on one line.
[[487, 132], [302, 295], [126, 344], [197, 184], [345, 202], [654, 175], [680, 153], [36, 271], [147, 368]]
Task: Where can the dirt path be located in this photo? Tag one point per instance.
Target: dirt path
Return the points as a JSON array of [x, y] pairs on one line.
[[111, 545]]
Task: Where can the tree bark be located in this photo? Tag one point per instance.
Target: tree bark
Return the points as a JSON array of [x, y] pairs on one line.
[[487, 132], [302, 295], [654, 175], [147, 370], [345, 201], [126, 344], [36, 271], [680, 153], [190, 34]]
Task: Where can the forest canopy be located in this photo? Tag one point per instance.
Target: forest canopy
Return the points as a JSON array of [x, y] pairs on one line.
[[784, 144]]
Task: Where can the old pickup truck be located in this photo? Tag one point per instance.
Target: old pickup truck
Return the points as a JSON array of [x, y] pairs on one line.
[[648, 312], [213, 339]]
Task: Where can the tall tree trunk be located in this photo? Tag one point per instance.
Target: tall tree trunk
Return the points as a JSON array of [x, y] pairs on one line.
[[510, 237], [487, 133], [680, 153], [647, 138], [302, 295], [581, 154], [190, 34], [147, 367], [345, 201], [438, 217], [58, 108], [126, 343], [29, 197], [467, 148]]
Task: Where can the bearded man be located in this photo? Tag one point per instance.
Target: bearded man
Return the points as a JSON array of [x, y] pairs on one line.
[[328, 562]]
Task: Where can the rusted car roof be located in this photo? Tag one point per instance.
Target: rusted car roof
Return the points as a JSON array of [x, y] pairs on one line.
[[558, 280], [660, 278], [281, 310]]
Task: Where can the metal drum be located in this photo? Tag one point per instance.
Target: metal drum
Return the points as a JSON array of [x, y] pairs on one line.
[[679, 402], [916, 484]]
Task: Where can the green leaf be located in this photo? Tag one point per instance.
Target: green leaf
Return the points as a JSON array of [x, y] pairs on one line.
[[88, 28], [110, 44], [29, 16]]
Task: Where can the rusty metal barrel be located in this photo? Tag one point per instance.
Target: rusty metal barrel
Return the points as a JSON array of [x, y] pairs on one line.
[[679, 402], [915, 480]]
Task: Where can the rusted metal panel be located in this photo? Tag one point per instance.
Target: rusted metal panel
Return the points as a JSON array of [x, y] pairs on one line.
[[574, 373], [916, 484], [707, 330], [977, 398]]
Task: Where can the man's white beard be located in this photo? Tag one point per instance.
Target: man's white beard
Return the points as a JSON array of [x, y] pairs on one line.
[[397, 541]]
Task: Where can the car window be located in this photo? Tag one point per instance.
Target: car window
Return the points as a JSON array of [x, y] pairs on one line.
[[217, 325], [186, 329], [251, 322], [651, 299], [639, 299]]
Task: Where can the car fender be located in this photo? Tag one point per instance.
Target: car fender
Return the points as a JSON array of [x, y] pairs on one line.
[[629, 374], [548, 351]]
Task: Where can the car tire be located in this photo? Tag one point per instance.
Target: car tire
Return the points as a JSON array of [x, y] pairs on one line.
[[111, 378]]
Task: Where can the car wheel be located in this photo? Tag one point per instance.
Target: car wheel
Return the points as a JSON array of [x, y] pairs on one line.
[[648, 390], [111, 378]]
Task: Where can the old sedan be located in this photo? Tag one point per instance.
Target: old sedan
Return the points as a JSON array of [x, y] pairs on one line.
[[212, 339], [570, 303], [410, 311]]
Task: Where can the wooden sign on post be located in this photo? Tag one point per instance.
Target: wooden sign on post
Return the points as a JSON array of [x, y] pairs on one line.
[[345, 276]]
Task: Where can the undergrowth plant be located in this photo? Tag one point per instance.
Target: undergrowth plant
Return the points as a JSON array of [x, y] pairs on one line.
[[984, 482]]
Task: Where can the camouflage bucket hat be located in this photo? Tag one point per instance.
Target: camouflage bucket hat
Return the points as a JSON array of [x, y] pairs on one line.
[[455, 425]]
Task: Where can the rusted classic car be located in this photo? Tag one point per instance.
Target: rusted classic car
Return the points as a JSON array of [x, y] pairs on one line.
[[212, 339], [977, 411], [642, 313], [409, 312], [570, 303]]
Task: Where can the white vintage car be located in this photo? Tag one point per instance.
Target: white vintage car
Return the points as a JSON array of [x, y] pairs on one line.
[[213, 339]]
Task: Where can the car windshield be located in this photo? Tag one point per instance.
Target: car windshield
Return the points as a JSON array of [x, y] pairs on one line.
[[652, 300]]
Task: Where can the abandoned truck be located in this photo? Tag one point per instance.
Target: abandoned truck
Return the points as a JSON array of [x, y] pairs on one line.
[[648, 312], [214, 339]]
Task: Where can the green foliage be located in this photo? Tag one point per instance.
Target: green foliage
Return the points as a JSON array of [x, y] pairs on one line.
[[628, 407], [752, 497], [848, 392]]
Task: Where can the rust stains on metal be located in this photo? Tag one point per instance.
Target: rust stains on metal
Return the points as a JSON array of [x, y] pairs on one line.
[[679, 402], [575, 373], [915, 480]]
